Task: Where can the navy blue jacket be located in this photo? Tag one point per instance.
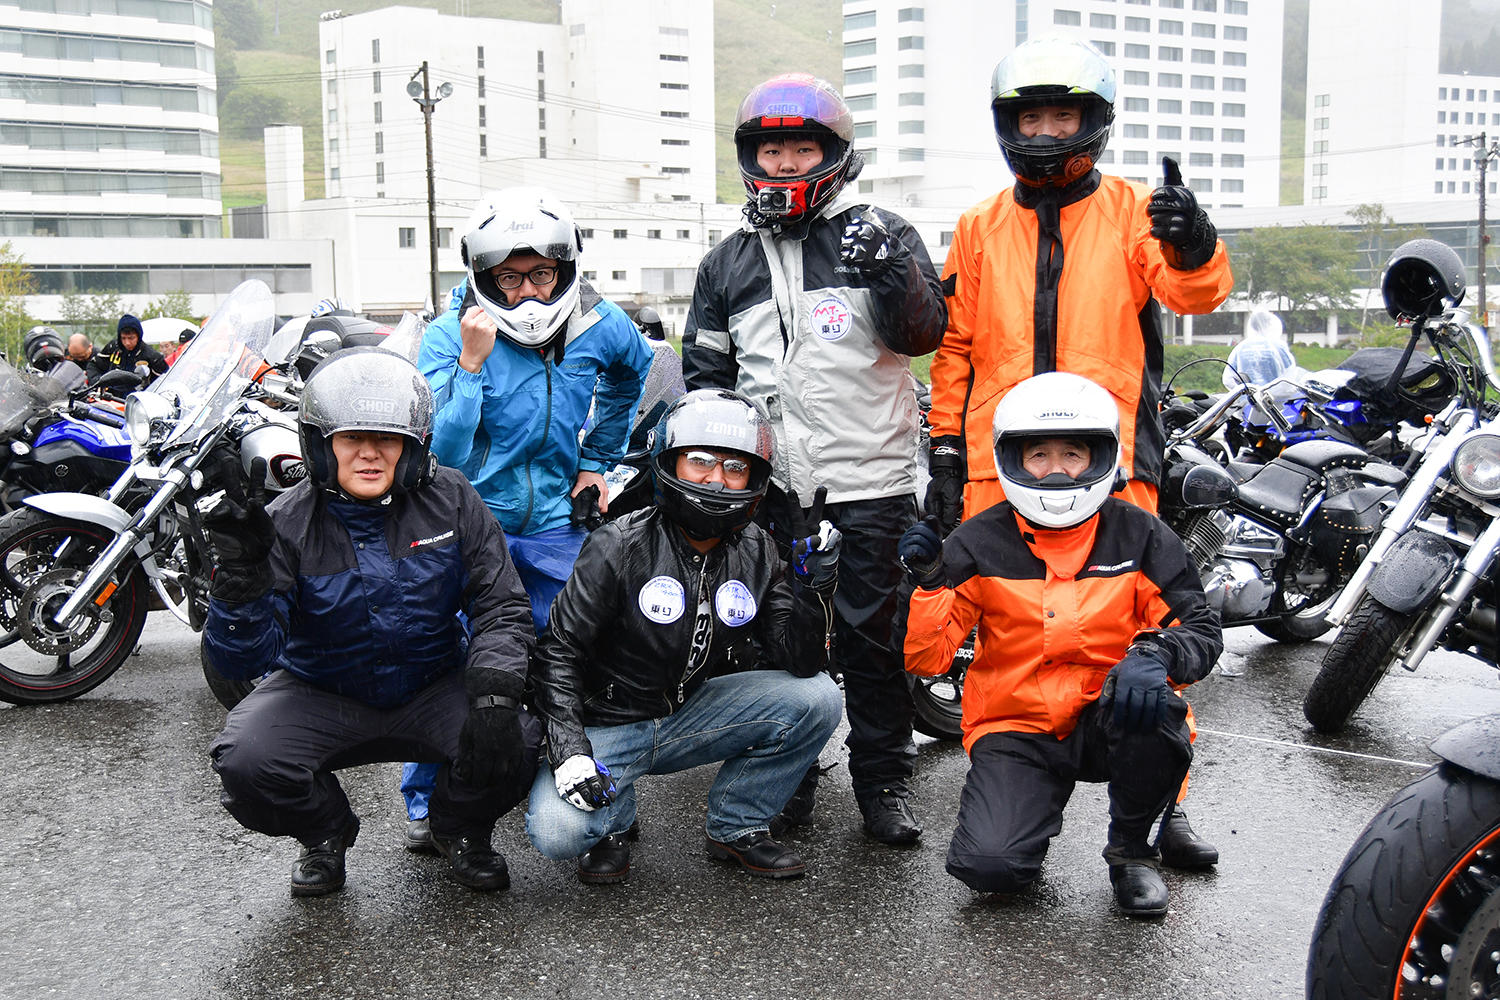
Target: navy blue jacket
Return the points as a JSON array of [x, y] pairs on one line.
[[365, 597]]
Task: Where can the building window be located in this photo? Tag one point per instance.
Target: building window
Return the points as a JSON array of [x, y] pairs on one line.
[[1201, 134], [1137, 104], [379, 143], [1138, 24], [1169, 132], [333, 116], [1207, 5], [329, 57], [911, 155], [541, 90], [1204, 57], [379, 113], [1169, 27], [1232, 110], [1202, 83], [1204, 30], [590, 275], [333, 147], [684, 234], [479, 56], [1231, 135], [484, 146], [541, 147], [1172, 4], [1236, 160], [1234, 59], [333, 85], [676, 170], [1439, 163], [905, 72], [1169, 107], [653, 234], [911, 14], [585, 233], [677, 142], [617, 275], [856, 50], [853, 22], [911, 42], [374, 50], [1136, 78], [1437, 187], [1137, 51], [483, 115], [714, 236], [1137, 131], [1202, 185], [445, 238], [1235, 84], [375, 82], [1240, 7], [1169, 79], [1321, 101], [864, 130], [406, 237], [1234, 33], [541, 61], [1102, 21], [1108, 156], [674, 86], [911, 100], [1067, 17], [1168, 53], [673, 114], [1200, 159], [911, 128], [620, 234], [1136, 156], [670, 57], [853, 77], [865, 102], [333, 173], [1108, 48]]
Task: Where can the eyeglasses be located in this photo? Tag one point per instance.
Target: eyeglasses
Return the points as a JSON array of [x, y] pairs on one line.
[[540, 277], [704, 462]]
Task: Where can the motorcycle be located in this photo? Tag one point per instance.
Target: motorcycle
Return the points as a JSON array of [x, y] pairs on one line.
[[1413, 911], [77, 571], [54, 437], [1429, 578]]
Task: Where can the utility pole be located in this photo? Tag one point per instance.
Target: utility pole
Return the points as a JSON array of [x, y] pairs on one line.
[[1486, 151], [422, 96]]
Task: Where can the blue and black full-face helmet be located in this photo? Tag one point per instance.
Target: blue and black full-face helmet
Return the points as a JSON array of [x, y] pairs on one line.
[[719, 420]]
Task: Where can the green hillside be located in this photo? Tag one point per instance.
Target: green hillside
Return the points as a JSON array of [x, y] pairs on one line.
[[275, 73]]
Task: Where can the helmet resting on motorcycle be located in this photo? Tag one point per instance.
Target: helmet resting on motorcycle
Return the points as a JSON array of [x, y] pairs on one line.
[[719, 420], [43, 347], [649, 320], [529, 221], [1422, 278], [1057, 405], [786, 107], [1053, 70], [366, 389]]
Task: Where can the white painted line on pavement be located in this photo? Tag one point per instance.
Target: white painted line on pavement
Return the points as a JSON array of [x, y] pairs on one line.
[[1304, 746]]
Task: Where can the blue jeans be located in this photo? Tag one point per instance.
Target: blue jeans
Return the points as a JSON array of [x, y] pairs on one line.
[[544, 561], [766, 726]]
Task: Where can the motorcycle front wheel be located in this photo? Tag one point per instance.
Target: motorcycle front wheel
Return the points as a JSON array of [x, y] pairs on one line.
[[938, 702], [1414, 911], [1357, 658], [42, 559]]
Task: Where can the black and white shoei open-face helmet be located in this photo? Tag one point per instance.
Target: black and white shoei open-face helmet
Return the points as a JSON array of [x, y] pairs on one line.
[[1057, 405], [525, 220], [1051, 70], [719, 420], [366, 389]]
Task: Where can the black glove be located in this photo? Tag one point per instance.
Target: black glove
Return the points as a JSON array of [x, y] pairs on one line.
[[585, 513], [490, 745], [1136, 690], [945, 490], [1187, 237], [815, 544], [868, 245], [242, 535], [921, 554]]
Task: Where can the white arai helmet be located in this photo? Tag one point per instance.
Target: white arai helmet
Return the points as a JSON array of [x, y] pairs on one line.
[[523, 220], [1057, 405]]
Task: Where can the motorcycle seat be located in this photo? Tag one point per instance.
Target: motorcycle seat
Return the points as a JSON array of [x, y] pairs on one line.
[[1322, 455], [1281, 490]]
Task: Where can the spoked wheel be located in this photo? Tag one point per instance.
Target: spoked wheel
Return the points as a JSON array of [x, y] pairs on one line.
[[1414, 911], [1305, 590], [42, 560], [938, 701]]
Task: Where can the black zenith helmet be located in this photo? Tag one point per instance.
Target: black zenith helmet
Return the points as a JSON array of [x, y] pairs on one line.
[[718, 420]]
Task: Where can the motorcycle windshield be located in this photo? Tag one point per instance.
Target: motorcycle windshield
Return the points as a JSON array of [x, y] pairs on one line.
[[406, 338], [210, 375], [21, 398]]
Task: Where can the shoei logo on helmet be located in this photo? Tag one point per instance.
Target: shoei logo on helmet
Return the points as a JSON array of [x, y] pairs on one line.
[[374, 406], [831, 318], [1056, 413], [662, 600]]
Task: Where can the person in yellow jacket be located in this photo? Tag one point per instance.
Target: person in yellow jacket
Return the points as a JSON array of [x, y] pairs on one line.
[[1063, 272], [1090, 616]]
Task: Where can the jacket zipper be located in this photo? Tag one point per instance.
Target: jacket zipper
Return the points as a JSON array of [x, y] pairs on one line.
[[690, 670], [546, 424]]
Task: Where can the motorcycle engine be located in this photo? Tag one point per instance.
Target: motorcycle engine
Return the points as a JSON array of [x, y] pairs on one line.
[[1237, 589]]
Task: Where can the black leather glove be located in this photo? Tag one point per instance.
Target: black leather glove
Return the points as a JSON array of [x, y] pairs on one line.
[[242, 535], [921, 554], [490, 745], [815, 544], [868, 244], [1187, 237], [945, 490], [1136, 691], [585, 513]]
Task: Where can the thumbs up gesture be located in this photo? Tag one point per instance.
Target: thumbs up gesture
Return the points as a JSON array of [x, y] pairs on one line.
[[1187, 237]]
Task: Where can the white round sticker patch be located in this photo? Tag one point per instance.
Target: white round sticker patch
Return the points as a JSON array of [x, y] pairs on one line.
[[831, 318], [734, 603], [662, 600]]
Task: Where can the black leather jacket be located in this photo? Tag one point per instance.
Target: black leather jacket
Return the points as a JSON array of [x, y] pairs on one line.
[[617, 648]]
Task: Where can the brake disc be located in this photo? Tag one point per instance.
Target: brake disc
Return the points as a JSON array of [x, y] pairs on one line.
[[25, 572], [42, 599]]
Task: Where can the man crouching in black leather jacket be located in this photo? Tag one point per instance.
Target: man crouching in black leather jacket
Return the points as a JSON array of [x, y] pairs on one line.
[[682, 639]]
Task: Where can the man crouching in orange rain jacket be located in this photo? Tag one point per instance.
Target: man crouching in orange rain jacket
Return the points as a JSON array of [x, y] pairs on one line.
[[1089, 612]]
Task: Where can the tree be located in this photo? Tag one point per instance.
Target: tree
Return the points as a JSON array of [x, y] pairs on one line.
[[1302, 267], [97, 315], [177, 304], [240, 21], [246, 112], [16, 282], [1378, 236]]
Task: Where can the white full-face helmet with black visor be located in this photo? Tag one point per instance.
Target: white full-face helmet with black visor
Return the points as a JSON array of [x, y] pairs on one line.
[[366, 389], [713, 420], [787, 107], [1049, 71], [523, 220], [1058, 406]]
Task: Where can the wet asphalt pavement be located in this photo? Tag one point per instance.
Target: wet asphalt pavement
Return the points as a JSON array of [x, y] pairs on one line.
[[124, 878]]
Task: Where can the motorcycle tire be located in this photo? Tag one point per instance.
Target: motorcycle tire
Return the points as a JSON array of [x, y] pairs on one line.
[[1356, 660], [228, 692], [1305, 621], [938, 701], [1414, 910], [32, 583]]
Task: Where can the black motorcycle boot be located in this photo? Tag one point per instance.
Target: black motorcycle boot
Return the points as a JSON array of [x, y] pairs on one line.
[[888, 817], [760, 855], [1180, 847], [799, 808], [473, 863], [607, 862], [320, 868], [1139, 890], [418, 837]]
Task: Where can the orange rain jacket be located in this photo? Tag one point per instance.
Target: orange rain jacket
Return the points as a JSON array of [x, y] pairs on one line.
[[1056, 610], [1010, 316]]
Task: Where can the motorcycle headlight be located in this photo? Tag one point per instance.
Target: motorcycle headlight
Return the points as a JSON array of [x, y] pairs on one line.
[[1476, 465], [145, 413]]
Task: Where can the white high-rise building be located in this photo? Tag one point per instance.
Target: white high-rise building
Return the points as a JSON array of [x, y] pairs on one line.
[[1383, 125], [605, 105], [108, 120], [917, 77]]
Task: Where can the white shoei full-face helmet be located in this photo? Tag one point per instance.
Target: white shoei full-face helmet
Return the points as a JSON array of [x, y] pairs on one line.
[[524, 220], [1057, 405]]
